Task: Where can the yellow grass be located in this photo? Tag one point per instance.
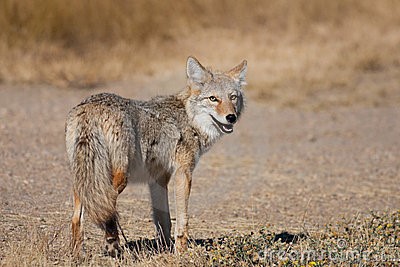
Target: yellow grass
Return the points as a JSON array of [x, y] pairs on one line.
[[297, 50]]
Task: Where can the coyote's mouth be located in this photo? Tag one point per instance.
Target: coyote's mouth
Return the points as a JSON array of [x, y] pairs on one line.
[[225, 128]]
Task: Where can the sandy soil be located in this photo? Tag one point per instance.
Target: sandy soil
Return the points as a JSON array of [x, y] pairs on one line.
[[291, 169]]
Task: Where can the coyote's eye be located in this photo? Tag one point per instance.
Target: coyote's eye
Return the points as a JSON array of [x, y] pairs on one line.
[[233, 97], [213, 98]]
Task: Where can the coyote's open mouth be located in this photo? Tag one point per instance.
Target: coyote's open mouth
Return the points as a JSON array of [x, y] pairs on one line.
[[225, 128]]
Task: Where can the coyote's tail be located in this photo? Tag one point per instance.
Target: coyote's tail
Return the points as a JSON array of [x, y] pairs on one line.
[[93, 181]]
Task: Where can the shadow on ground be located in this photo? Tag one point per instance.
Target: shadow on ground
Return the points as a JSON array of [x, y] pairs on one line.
[[155, 246]]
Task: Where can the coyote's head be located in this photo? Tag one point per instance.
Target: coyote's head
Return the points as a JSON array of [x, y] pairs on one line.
[[216, 98]]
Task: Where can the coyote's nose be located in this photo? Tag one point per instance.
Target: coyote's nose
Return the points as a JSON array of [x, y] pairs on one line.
[[231, 118]]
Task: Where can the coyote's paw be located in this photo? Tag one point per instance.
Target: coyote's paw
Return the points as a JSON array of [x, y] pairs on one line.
[[112, 247], [181, 244]]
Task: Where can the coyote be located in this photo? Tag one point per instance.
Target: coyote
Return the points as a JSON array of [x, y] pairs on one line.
[[110, 140]]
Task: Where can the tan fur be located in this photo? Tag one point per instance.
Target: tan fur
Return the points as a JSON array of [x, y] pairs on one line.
[[119, 181], [111, 140], [77, 235], [225, 107]]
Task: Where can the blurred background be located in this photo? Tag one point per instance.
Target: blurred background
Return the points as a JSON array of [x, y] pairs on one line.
[[302, 53]]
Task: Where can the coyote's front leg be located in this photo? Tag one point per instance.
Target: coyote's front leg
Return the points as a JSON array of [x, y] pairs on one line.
[[183, 182], [161, 217]]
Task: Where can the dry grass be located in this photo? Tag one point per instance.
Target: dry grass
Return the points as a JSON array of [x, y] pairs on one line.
[[367, 241], [77, 23], [307, 53], [328, 53]]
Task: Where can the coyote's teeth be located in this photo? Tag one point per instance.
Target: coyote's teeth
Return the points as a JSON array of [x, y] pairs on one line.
[[227, 129]]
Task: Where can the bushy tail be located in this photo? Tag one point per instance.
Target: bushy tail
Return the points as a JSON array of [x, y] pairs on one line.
[[93, 181]]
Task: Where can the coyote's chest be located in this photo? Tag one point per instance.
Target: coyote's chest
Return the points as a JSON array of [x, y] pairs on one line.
[[159, 152]]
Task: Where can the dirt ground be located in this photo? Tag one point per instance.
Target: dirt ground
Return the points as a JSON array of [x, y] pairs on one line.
[[291, 169]]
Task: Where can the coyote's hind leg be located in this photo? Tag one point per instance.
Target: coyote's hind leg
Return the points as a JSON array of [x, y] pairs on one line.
[[112, 247], [77, 226]]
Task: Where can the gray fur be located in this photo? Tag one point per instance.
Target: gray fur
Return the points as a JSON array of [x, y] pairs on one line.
[[149, 141]]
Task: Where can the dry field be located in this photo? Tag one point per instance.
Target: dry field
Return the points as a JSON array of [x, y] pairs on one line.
[[306, 53], [315, 160]]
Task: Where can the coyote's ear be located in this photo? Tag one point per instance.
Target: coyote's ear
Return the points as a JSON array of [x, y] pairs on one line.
[[238, 73], [195, 71]]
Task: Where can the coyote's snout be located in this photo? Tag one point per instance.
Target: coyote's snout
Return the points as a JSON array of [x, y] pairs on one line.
[[111, 140]]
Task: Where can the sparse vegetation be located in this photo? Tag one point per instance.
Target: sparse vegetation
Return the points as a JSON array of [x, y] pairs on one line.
[[367, 241]]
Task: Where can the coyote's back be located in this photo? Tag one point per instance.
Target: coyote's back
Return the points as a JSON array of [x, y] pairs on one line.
[[111, 140]]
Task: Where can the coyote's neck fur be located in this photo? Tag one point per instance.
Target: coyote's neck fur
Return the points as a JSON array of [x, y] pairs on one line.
[[207, 135]]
